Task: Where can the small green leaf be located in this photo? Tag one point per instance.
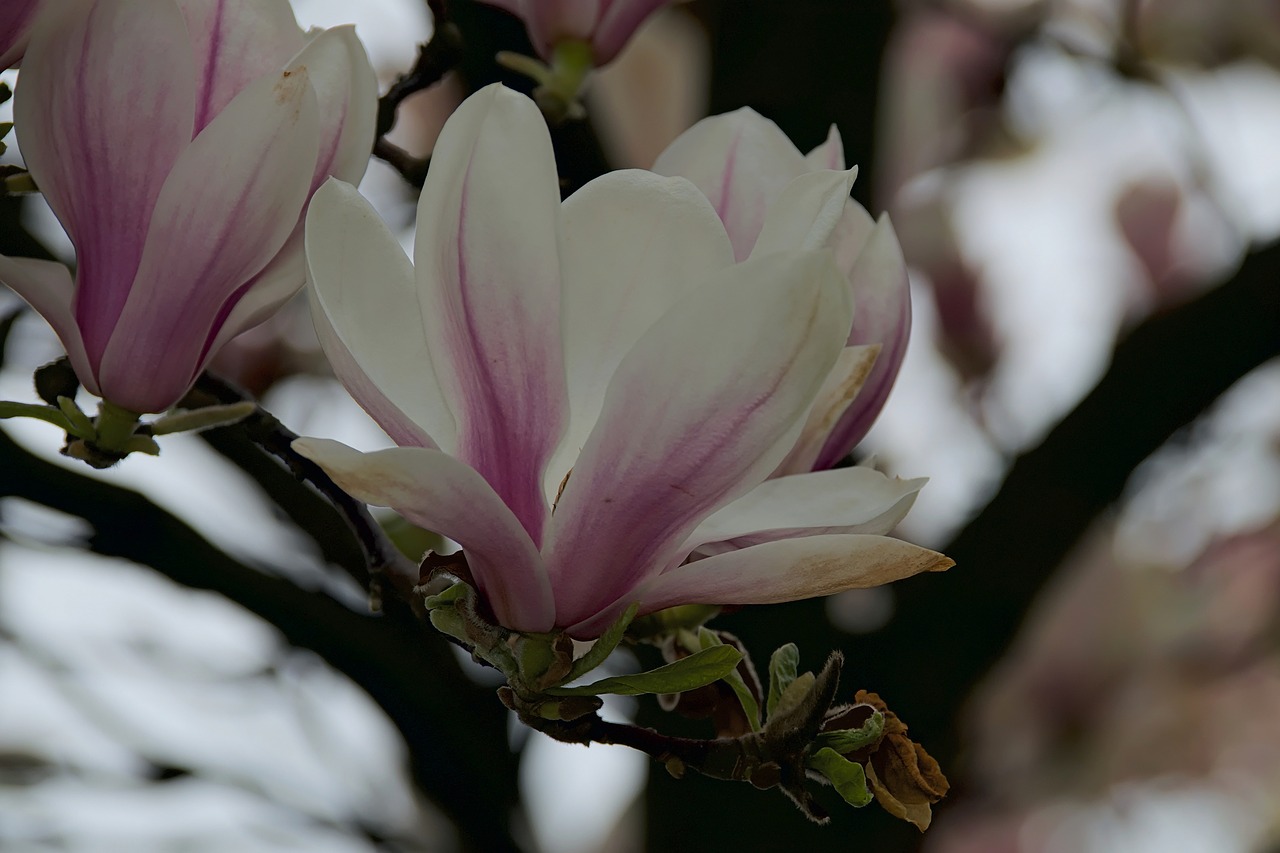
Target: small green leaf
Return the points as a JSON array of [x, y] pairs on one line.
[[845, 741], [783, 665], [9, 409], [81, 425], [685, 674], [847, 776], [709, 640], [457, 592], [604, 646]]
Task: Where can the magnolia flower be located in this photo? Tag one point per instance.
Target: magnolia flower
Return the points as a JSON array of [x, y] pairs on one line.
[[16, 20], [745, 165], [586, 393], [606, 25], [178, 142]]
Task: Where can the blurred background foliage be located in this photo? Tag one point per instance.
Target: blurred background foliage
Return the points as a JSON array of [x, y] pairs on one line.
[[1086, 191]]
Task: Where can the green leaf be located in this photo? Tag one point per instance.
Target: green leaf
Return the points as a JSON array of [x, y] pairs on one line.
[[457, 592], [709, 640], [847, 776], [9, 409], [81, 425], [604, 646], [685, 674], [783, 666], [845, 741]]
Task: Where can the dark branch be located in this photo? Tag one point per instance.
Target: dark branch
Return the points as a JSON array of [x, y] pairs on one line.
[[244, 443]]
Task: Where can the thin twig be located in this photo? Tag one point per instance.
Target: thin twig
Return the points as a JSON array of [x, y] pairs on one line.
[[382, 558], [436, 58]]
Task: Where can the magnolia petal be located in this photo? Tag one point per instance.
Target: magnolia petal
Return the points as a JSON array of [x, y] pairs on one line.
[[839, 390], [364, 297], [882, 293], [209, 237], [47, 287], [16, 22], [103, 113], [262, 295], [347, 93], [741, 161], [235, 42], [844, 500], [828, 155], [488, 267], [619, 20], [806, 212], [699, 412], [439, 493], [632, 245], [789, 570]]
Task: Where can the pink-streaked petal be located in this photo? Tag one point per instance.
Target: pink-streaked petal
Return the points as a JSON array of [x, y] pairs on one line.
[[791, 569], [839, 390], [805, 213], [263, 294], [700, 411], [439, 493], [882, 314], [850, 235], [632, 245], [619, 20], [235, 42], [347, 92], [47, 287], [211, 236], [103, 113], [487, 259], [741, 161], [845, 500], [16, 20], [365, 299], [828, 155]]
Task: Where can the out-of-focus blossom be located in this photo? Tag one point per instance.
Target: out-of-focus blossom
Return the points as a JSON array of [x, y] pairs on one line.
[[586, 393], [605, 25], [178, 143], [16, 20], [1206, 35], [750, 171]]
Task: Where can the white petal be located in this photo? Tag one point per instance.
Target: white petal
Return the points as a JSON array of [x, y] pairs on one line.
[[701, 410], [487, 259], [365, 289], [806, 212], [838, 391], [828, 155], [844, 500], [741, 161], [791, 569], [47, 287], [632, 245], [439, 493]]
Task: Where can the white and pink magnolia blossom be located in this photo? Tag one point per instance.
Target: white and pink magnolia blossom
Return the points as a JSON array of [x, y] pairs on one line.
[[746, 166], [586, 394], [16, 20], [606, 25], [178, 142]]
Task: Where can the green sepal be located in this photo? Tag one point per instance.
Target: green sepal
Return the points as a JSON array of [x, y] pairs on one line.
[[794, 694], [80, 424], [733, 678], [784, 663], [697, 670], [207, 417], [457, 592], [845, 741], [48, 414], [846, 776], [603, 646]]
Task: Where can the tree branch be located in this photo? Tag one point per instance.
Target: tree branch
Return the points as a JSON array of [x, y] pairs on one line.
[[455, 731]]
